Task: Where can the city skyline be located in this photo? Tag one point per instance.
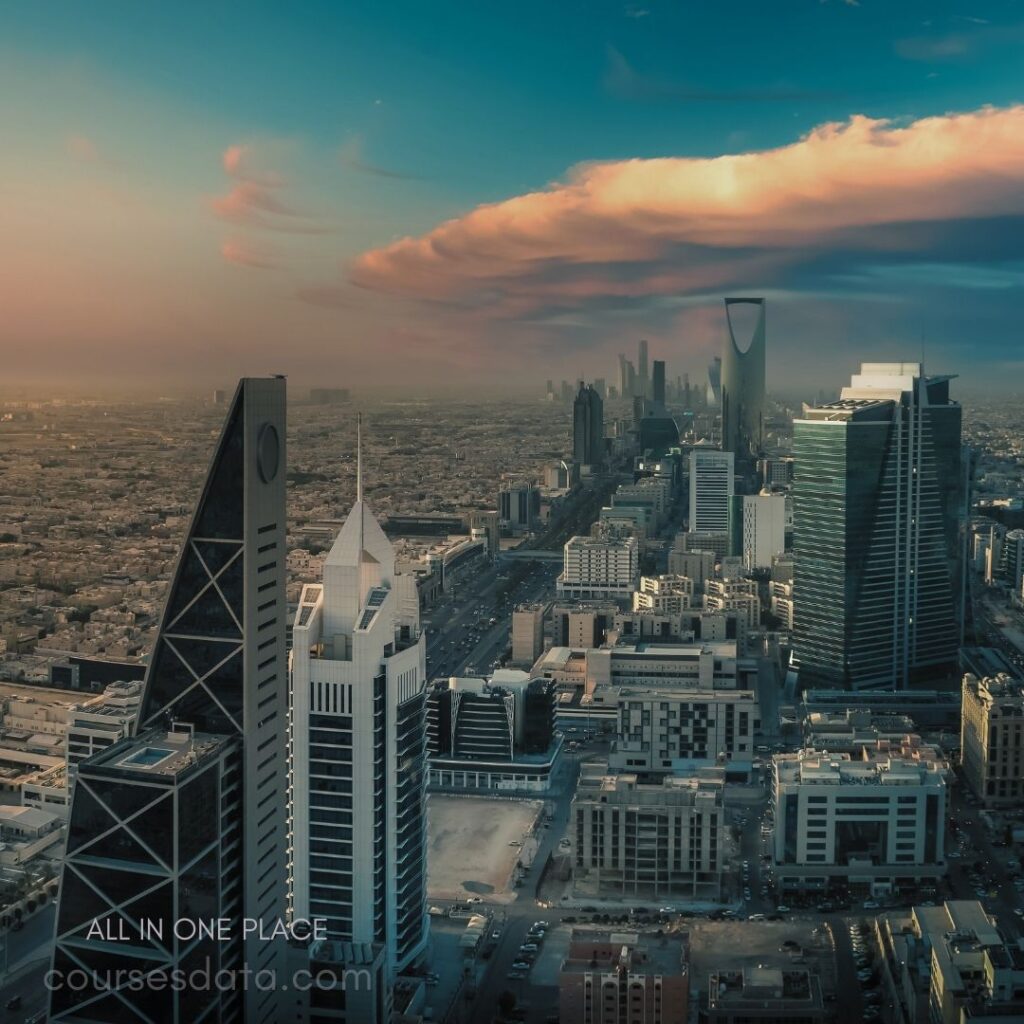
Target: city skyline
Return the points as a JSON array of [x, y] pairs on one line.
[[188, 207]]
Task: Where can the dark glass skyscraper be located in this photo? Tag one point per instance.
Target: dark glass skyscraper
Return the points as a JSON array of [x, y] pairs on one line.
[[588, 427], [186, 820], [878, 502], [743, 387]]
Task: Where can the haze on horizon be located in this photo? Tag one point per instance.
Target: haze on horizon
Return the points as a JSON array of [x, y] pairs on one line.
[[445, 199]]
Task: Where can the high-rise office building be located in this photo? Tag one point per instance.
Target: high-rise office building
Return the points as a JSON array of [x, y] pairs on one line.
[[643, 381], [714, 390], [711, 486], [658, 382], [878, 501], [743, 386], [588, 427], [186, 819], [358, 751]]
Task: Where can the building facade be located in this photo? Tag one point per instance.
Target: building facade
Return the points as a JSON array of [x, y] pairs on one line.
[[878, 500], [588, 427], [599, 568], [358, 748], [187, 818], [711, 486], [633, 839], [992, 739], [876, 820]]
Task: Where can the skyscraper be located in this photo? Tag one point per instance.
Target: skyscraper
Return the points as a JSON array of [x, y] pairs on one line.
[[186, 819], [658, 382], [358, 751], [743, 387], [878, 501], [711, 486], [714, 392], [643, 381], [587, 426]]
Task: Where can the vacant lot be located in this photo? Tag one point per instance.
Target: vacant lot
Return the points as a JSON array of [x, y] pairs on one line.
[[469, 844]]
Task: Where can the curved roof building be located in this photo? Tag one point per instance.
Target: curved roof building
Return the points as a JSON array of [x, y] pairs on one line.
[[743, 386]]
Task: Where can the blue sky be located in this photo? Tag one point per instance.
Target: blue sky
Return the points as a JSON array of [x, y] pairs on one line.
[[369, 123]]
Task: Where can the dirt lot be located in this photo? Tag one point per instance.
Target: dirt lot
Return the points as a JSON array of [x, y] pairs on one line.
[[469, 843]]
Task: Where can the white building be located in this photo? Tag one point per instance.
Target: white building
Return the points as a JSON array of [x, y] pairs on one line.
[[664, 730], [663, 594], [763, 529], [734, 595], [711, 487], [358, 675], [104, 720], [599, 568], [875, 820], [649, 840], [708, 665], [991, 740]]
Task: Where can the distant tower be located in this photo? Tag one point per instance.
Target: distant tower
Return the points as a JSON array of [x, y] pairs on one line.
[[588, 427], [743, 387], [186, 820], [358, 752], [714, 395], [658, 382], [643, 381]]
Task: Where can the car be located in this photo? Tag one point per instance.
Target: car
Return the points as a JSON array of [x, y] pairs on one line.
[[541, 924], [529, 947], [516, 974], [475, 899], [756, 917], [782, 908], [667, 910], [870, 904], [496, 934]]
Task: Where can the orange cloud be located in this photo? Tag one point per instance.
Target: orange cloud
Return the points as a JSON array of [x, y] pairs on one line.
[[677, 225], [247, 255]]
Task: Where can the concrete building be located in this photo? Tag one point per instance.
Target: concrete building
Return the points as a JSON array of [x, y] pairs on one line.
[[663, 594], [662, 730], [708, 665], [599, 568], [697, 566], [97, 723], [527, 634], [762, 995], [874, 821], [492, 734], [858, 528], [992, 739], [634, 839], [187, 818], [950, 964], [518, 505], [624, 978], [711, 487], [358, 750], [734, 595], [757, 528]]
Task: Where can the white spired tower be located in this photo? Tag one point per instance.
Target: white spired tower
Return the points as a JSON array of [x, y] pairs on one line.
[[358, 725]]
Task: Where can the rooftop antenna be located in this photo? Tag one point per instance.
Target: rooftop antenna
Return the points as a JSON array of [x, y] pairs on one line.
[[359, 457]]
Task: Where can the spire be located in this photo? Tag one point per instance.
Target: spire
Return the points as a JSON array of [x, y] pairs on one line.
[[359, 457]]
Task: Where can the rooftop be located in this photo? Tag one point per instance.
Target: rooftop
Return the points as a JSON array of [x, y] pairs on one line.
[[162, 753]]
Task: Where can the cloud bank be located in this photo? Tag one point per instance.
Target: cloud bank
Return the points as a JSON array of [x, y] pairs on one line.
[[846, 195]]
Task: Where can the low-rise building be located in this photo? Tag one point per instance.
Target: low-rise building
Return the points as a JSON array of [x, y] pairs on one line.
[[667, 730], [992, 738], [762, 995], [634, 839], [492, 734], [624, 978], [666, 594], [734, 595], [875, 820], [711, 665], [950, 965]]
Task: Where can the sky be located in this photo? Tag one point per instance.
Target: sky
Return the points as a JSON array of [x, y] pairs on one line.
[[419, 196]]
